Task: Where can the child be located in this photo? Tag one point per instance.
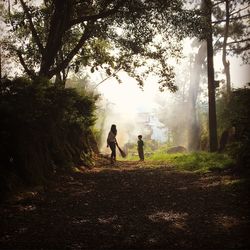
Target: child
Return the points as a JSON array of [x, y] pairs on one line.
[[140, 145]]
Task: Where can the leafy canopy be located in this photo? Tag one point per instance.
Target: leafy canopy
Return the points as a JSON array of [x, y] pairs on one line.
[[137, 36]]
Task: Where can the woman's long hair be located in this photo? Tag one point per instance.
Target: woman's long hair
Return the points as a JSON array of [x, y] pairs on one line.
[[113, 129]]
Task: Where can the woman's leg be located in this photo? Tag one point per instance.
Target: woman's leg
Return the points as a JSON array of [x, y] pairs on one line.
[[113, 151]]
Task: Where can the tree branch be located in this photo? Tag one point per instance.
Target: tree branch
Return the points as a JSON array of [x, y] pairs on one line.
[[241, 41], [96, 16], [32, 27], [105, 79], [242, 49], [217, 41], [233, 13], [72, 53], [31, 73], [231, 19], [218, 3]]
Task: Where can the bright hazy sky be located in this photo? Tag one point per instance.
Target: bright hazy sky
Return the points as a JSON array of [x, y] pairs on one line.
[[128, 100], [128, 96]]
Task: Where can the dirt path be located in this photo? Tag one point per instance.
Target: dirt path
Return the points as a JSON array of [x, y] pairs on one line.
[[130, 207]]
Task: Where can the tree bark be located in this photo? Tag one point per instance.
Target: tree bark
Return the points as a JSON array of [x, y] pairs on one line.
[[59, 23], [213, 141], [0, 62], [226, 63], [193, 123]]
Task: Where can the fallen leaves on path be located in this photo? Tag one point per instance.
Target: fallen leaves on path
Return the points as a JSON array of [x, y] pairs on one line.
[[130, 205]]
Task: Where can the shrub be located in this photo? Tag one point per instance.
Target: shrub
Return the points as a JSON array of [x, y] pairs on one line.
[[237, 114], [43, 128]]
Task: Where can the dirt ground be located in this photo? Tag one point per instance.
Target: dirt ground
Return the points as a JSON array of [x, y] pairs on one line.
[[130, 206]]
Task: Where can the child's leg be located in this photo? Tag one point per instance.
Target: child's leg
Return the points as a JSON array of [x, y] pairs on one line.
[[141, 155]]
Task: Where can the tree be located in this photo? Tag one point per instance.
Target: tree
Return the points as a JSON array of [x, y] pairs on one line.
[[207, 38], [59, 35], [196, 69], [3, 58], [213, 140], [231, 28], [235, 114]]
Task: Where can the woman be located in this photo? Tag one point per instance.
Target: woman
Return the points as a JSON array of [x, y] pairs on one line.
[[111, 142]]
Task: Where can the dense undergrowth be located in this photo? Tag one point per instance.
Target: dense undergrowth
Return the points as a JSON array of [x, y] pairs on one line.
[[235, 113], [44, 128]]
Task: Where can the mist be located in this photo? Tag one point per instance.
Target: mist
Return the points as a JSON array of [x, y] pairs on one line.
[[165, 117], [133, 110]]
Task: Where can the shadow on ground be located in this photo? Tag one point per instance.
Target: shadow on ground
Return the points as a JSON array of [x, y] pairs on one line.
[[130, 207]]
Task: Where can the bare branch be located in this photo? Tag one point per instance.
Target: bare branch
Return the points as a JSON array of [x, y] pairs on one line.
[[31, 73], [217, 41], [105, 79], [236, 12], [231, 19], [241, 49], [240, 41], [218, 3]]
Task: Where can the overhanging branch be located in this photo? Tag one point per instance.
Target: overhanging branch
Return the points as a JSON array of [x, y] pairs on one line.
[[238, 11], [231, 19], [96, 16], [73, 52], [105, 79], [31, 73], [239, 41], [32, 27]]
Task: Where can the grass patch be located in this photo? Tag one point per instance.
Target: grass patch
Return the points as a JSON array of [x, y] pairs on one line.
[[237, 185], [195, 162]]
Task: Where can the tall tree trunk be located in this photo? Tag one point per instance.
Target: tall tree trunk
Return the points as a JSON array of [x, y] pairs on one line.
[[59, 24], [226, 63], [0, 62], [193, 123], [213, 141]]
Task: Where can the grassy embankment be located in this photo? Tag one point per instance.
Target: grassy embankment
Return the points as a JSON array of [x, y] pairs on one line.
[[195, 161]]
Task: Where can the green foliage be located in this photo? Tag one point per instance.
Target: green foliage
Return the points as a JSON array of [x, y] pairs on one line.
[[197, 161], [51, 37], [150, 146], [43, 128], [236, 113], [238, 185]]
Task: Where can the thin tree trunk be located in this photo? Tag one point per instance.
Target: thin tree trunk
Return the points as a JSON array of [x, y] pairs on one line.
[[213, 141], [193, 123], [0, 62], [226, 63]]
